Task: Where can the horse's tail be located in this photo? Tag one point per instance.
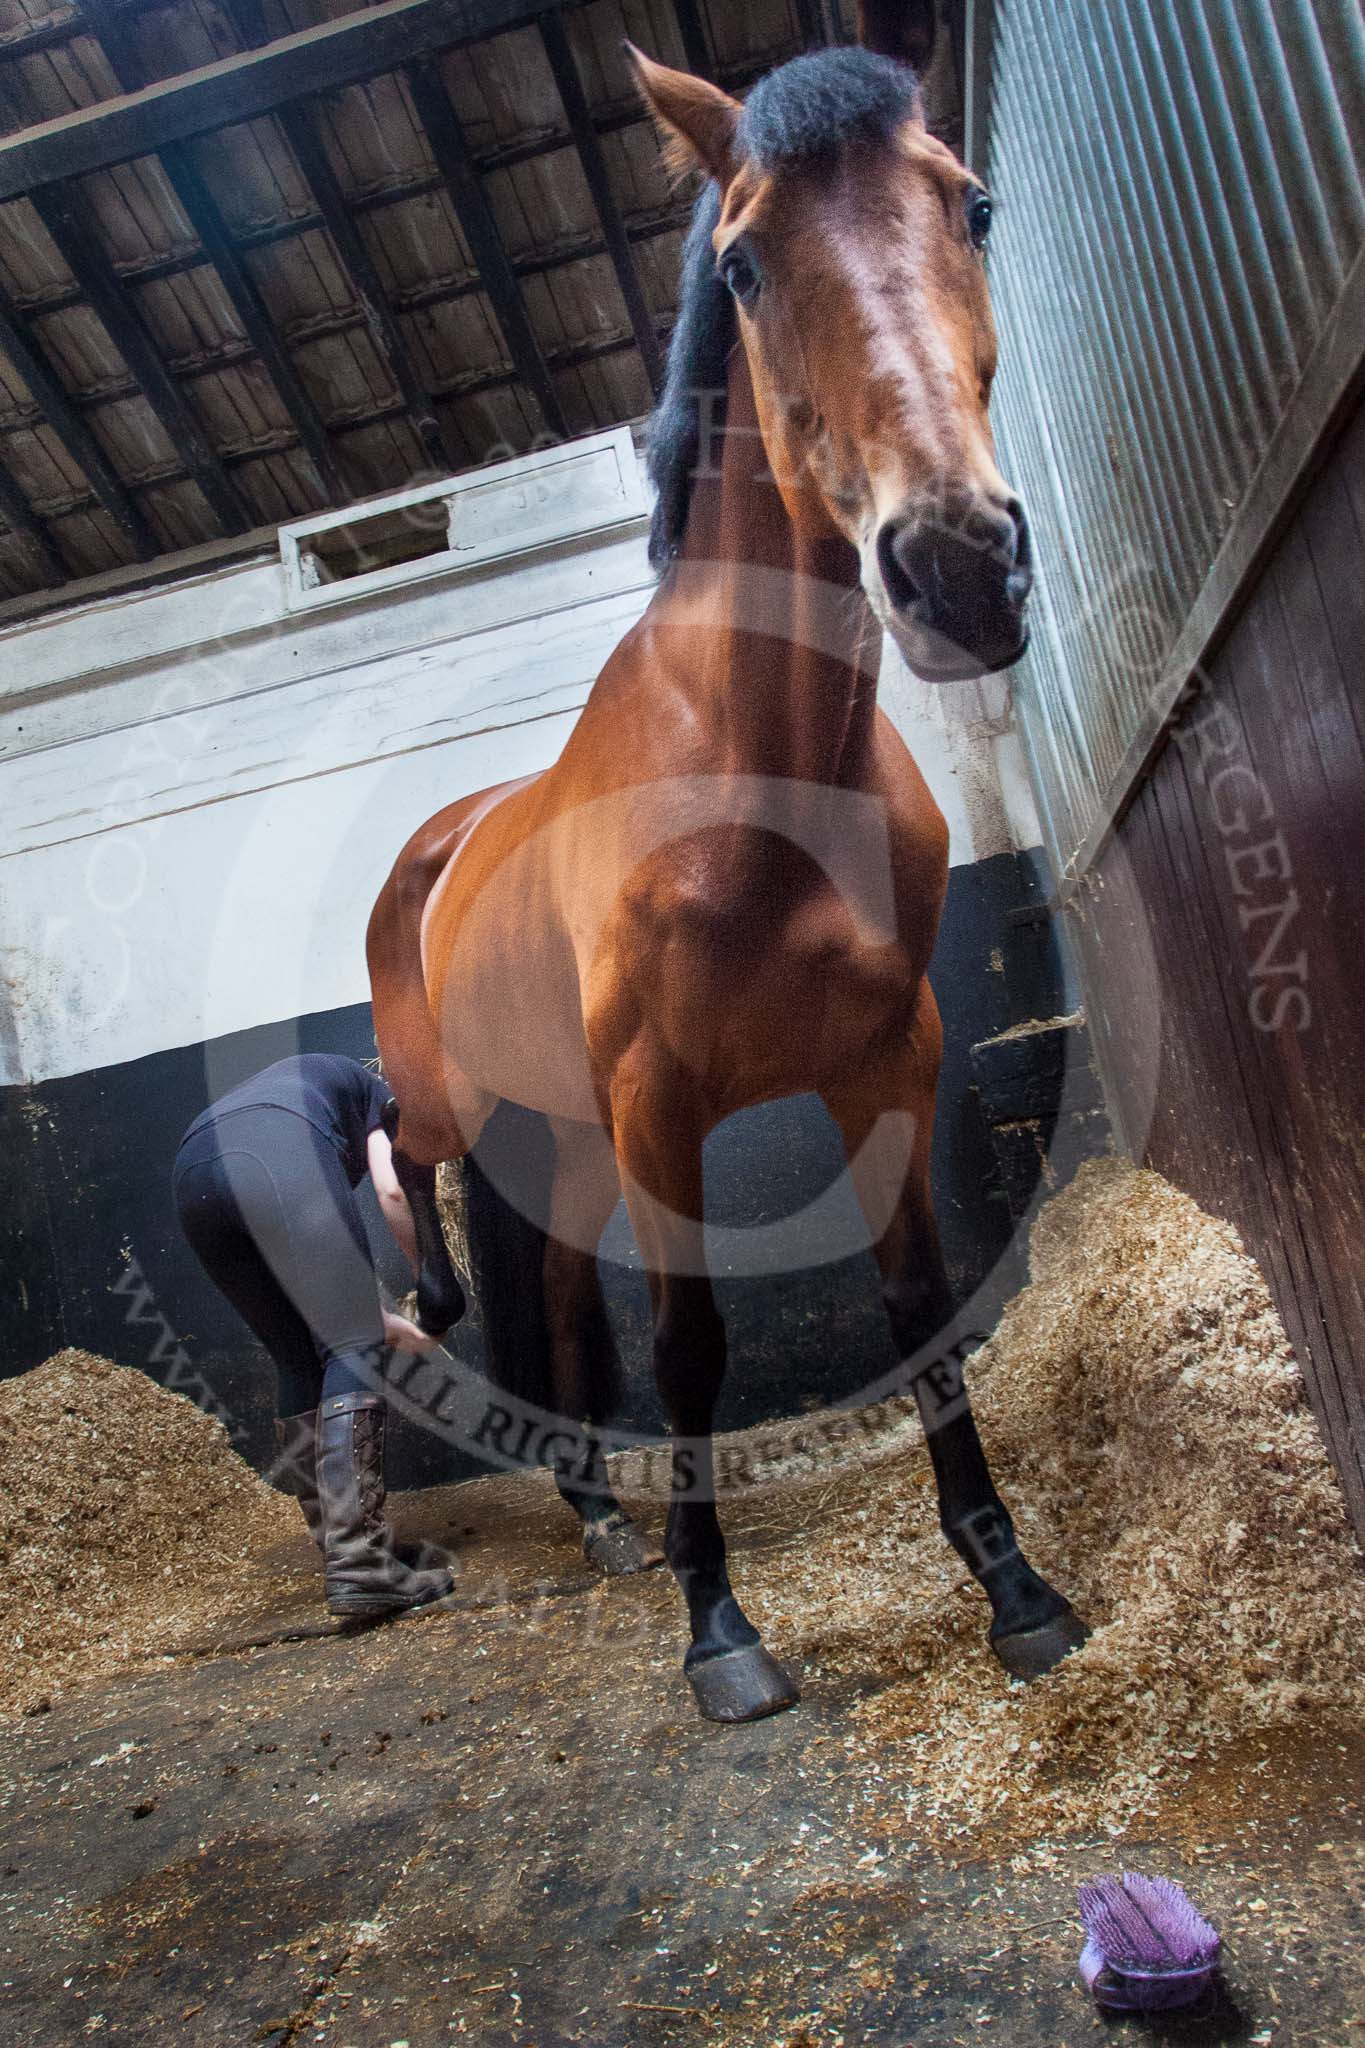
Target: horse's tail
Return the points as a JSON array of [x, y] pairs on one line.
[[506, 1203]]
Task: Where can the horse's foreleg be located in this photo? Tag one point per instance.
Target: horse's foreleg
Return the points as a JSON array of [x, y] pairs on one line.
[[658, 1133], [416, 1143], [440, 1297], [584, 1369], [886, 1117]]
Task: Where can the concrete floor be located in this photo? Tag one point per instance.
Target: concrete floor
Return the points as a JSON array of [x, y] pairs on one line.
[[501, 1822]]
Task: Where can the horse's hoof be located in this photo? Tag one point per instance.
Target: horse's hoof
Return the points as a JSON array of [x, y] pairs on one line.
[[617, 1548], [742, 1685], [1032, 1651]]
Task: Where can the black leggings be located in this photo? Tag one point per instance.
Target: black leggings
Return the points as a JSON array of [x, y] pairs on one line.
[[264, 1200]]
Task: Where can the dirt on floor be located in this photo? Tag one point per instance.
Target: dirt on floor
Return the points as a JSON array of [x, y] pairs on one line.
[[500, 1821], [1146, 1422]]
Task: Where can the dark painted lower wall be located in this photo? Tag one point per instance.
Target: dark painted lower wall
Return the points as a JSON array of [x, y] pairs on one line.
[[90, 1254], [1223, 945]]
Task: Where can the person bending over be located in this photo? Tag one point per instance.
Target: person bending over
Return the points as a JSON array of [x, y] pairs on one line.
[[264, 1185]]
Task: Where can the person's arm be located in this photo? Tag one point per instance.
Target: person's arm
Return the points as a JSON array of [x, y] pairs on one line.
[[403, 1334], [393, 1203]]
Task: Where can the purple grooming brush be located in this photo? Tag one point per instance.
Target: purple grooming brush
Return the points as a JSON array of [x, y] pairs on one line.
[[1147, 1948]]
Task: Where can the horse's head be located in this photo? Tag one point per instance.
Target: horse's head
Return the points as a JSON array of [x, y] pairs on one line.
[[851, 240]]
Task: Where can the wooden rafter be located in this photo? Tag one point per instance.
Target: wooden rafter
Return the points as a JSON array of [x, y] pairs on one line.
[[113, 25], [696, 48], [103, 289], [570, 87], [51, 399], [25, 524], [260, 80], [345, 319], [497, 278], [475, 386], [300, 132], [810, 20]]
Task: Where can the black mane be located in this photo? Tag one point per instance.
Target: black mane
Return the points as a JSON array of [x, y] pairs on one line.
[[807, 109]]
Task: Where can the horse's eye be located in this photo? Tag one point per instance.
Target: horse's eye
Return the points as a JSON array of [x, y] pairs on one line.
[[979, 212], [740, 273]]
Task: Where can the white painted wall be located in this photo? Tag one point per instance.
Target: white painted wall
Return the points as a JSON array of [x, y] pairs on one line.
[[201, 790]]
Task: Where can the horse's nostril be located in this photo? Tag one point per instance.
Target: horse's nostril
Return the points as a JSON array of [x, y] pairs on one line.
[[901, 587]]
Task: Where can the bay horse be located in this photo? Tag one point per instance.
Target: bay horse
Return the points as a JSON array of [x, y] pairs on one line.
[[726, 889]]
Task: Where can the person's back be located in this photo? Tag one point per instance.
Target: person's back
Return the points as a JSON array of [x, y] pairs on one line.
[[336, 1095]]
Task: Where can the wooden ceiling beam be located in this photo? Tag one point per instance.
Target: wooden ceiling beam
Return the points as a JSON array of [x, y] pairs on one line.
[[261, 80], [201, 209], [564, 66], [810, 21], [24, 523], [301, 133], [445, 138], [696, 48], [377, 316], [53, 402], [103, 290], [346, 319], [113, 25]]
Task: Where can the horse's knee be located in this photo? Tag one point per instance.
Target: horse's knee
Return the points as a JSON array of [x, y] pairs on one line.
[[689, 1359], [918, 1305]]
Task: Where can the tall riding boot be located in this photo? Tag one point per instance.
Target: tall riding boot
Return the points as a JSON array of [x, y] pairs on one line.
[[296, 1468], [363, 1574]]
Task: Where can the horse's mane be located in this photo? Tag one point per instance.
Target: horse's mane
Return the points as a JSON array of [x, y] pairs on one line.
[[806, 109]]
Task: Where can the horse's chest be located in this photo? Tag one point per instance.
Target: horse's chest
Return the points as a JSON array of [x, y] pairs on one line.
[[776, 999]]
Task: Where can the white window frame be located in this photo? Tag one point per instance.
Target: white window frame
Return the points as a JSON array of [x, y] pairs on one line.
[[555, 494]]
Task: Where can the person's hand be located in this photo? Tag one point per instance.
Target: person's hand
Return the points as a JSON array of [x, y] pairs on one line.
[[404, 1335]]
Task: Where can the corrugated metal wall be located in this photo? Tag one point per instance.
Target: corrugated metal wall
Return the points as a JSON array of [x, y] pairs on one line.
[[1177, 275]]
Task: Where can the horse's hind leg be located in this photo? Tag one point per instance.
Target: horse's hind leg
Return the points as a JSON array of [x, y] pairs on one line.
[[658, 1136], [584, 1369], [887, 1121]]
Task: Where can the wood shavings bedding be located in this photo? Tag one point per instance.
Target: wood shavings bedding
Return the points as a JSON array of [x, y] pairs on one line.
[[126, 1520], [1148, 1427], [1146, 1423]]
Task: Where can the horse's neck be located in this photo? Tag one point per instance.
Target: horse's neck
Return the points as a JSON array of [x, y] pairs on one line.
[[781, 644]]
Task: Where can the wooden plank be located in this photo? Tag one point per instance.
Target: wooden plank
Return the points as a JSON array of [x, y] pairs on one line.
[[366, 713], [33, 536], [810, 23], [201, 209], [50, 396], [112, 24], [333, 53], [1240, 853], [497, 277], [300, 132], [570, 87], [106, 293], [696, 47]]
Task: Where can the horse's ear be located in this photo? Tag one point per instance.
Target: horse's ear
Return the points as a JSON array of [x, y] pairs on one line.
[[899, 28], [698, 119]]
